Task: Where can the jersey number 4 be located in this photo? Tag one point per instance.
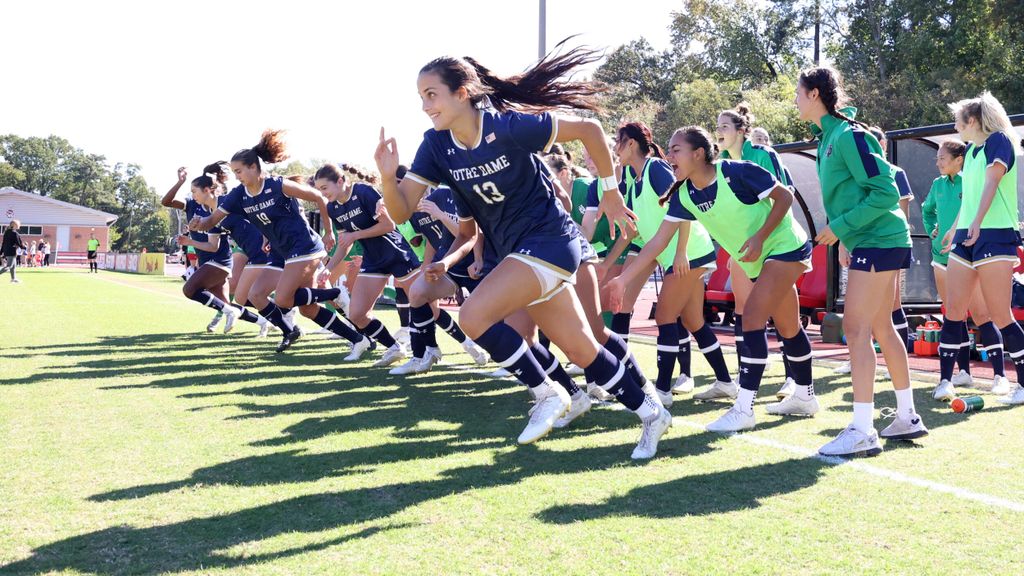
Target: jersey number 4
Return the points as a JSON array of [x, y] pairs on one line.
[[489, 192], [263, 218]]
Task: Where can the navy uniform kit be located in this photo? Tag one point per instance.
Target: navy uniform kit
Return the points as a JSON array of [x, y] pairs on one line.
[[528, 224], [441, 239], [221, 258], [385, 255], [250, 241], [278, 217]]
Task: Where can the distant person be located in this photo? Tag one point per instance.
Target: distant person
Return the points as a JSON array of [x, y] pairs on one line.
[[32, 251], [12, 243], [93, 247], [46, 253], [760, 137]]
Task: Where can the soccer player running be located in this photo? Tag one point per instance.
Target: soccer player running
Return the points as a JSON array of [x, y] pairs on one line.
[[487, 156], [862, 203]]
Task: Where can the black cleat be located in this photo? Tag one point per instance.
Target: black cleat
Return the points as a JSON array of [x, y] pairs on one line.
[[289, 339]]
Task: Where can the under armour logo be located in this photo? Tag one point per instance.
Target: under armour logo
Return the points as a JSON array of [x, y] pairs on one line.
[[517, 372], [915, 421], [620, 392], [862, 260], [986, 255], [451, 151], [527, 252], [745, 370], [948, 354]]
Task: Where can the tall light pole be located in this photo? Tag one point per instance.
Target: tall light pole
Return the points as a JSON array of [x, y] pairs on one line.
[[543, 31]]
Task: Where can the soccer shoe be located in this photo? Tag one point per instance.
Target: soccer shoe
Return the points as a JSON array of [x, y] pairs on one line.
[[598, 393], [431, 356], [230, 315], [215, 321], [719, 390], [735, 420], [944, 391], [904, 428], [412, 366], [402, 337], [478, 354], [665, 398], [573, 370], [264, 327], [787, 390], [288, 339], [391, 355], [552, 403], [1000, 386], [580, 405], [343, 300], [962, 378], [653, 430], [852, 442], [683, 384], [1013, 398], [357, 350], [652, 391], [793, 406], [843, 368], [500, 373]]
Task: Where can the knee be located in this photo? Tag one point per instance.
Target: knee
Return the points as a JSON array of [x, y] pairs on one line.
[[581, 351], [284, 300], [309, 311], [473, 322], [855, 329], [417, 296]]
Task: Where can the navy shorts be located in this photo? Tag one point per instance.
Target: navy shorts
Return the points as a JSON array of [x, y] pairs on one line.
[[466, 282], [397, 267], [224, 265], [559, 254], [993, 245], [879, 259], [265, 260], [708, 261], [587, 252]]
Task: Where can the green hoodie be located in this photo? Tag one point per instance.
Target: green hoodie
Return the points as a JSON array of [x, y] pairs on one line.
[[858, 186], [941, 208]]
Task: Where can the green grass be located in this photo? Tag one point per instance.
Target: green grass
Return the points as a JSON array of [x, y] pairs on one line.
[[133, 443]]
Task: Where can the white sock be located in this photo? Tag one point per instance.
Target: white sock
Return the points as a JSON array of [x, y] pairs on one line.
[[648, 409], [905, 402], [745, 400], [864, 416]]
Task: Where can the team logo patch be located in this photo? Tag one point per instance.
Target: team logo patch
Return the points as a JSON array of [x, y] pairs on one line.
[[828, 152]]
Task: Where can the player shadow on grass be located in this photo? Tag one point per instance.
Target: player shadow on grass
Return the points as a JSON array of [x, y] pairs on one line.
[[203, 543]]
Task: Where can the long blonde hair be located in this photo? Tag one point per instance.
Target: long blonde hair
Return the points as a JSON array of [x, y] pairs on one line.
[[14, 225], [991, 117]]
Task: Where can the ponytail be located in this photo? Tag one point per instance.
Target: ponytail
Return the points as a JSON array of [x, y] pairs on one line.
[[270, 149], [639, 132], [829, 84]]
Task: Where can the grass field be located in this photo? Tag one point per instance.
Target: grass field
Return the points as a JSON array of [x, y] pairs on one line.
[[132, 443]]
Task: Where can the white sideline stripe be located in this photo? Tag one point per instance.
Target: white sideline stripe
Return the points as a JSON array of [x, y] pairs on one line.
[[961, 493]]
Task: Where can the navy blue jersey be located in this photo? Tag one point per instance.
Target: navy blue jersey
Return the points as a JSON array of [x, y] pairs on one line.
[[277, 216], [440, 237], [223, 253], [245, 235], [749, 182], [359, 212], [497, 180]]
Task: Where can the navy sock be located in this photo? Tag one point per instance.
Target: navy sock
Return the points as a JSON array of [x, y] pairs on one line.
[[376, 330], [712, 351], [508, 349], [617, 346], [620, 324], [306, 296], [993, 346], [949, 347], [272, 313], [333, 322], [1013, 340], [899, 320], [421, 329], [798, 352], [205, 298], [963, 359], [684, 348], [754, 359], [245, 314], [611, 375], [553, 368], [543, 339], [447, 323], [402, 304], [668, 350], [785, 358], [737, 330]]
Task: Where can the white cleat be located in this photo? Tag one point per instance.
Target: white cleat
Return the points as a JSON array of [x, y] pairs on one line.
[[358, 348], [843, 368], [735, 420], [793, 406], [343, 300], [215, 321], [402, 337], [431, 356], [905, 429], [580, 405], [598, 393], [500, 373], [683, 385], [719, 390], [650, 390], [1013, 398], [391, 355], [653, 430], [1000, 386], [264, 327], [478, 354], [230, 315], [787, 390], [852, 442], [412, 366], [573, 370], [665, 398], [944, 391], [962, 378], [552, 403]]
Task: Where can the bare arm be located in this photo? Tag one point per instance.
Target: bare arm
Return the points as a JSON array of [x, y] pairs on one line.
[[401, 198], [310, 194], [170, 198]]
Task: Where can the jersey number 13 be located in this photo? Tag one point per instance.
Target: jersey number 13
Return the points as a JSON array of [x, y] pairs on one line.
[[489, 192]]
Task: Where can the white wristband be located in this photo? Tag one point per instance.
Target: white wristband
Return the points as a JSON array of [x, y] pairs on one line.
[[609, 183]]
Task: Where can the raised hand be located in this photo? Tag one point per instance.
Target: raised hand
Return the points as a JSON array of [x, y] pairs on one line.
[[386, 155]]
